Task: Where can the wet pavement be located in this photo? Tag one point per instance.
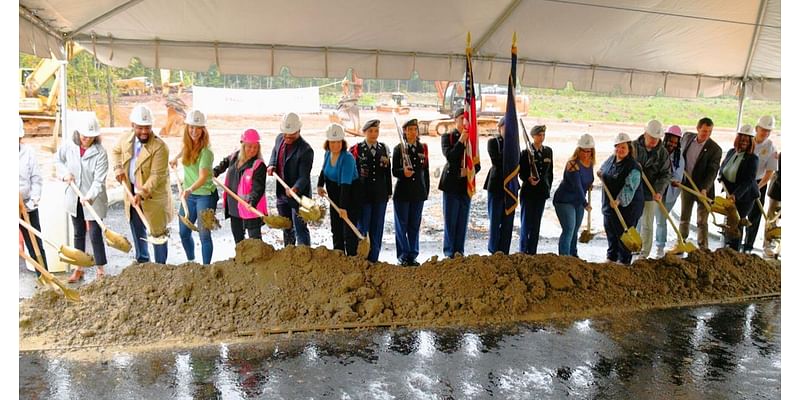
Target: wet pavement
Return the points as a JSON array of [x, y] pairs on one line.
[[709, 352]]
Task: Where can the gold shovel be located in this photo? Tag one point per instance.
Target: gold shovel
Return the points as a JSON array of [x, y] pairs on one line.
[[113, 239], [47, 277], [272, 221], [363, 241], [35, 244], [682, 246], [150, 238], [630, 237], [67, 254], [719, 205], [769, 233], [586, 234], [185, 217], [309, 210]]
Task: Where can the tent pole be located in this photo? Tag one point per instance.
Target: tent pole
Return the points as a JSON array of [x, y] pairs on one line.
[[741, 104]]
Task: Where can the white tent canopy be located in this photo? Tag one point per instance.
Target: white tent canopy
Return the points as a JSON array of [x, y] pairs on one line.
[[681, 48]]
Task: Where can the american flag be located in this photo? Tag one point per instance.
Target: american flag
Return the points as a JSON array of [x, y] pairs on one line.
[[471, 155]]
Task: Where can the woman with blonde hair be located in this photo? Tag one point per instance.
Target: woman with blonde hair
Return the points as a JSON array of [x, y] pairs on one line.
[[247, 177], [570, 197], [198, 189]]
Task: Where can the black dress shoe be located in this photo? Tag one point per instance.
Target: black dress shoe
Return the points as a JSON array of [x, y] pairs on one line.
[[412, 263]]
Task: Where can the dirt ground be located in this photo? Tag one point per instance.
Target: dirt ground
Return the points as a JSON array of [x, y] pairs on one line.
[[261, 290]]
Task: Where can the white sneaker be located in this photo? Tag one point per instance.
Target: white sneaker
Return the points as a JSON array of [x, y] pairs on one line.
[[659, 252]]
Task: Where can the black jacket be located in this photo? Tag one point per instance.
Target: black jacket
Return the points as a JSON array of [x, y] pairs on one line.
[[745, 188], [494, 180], [544, 166], [707, 164], [296, 171], [655, 165], [451, 180], [232, 178], [374, 172], [416, 187]]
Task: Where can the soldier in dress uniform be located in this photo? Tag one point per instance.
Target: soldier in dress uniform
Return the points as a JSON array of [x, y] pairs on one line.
[[411, 168], [374, 166]]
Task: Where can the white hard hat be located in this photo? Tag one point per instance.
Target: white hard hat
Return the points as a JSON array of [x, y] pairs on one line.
[[21, 127], [89, 127], [586, 141], [334, 133], [622, 137], [196, 118], [291, 123], [141, 115], [654, 129], [746, 130], [766, 122]]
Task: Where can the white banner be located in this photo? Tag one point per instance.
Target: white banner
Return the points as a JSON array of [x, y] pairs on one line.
[[255, 101]]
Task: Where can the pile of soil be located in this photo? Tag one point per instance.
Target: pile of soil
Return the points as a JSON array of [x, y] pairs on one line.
[[263, 290]]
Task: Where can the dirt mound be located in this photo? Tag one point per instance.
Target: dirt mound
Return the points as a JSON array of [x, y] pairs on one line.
[[263, 290]]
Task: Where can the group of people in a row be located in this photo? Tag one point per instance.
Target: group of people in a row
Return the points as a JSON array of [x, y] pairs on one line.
[[358, 180]]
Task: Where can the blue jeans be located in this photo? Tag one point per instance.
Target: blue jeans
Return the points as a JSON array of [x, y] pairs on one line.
[[570, 216], [298, 233], [371, 222], [500, 224], [197, 203], [139, 233], [407, 219], [661, 224], [532, 211], [456, 214]]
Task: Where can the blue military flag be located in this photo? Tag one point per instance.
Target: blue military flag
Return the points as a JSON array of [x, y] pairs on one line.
[[511, 140]]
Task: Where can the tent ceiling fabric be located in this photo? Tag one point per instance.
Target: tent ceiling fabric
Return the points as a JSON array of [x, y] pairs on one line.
[[683, 48]]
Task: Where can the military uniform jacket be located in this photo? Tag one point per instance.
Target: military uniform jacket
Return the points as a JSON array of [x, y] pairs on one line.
[[494, 180], [544, 166], [374, 172], [417, 186], [453, 150]]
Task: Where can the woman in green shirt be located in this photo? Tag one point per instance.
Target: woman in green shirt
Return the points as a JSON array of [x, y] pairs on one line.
[[199, 191]]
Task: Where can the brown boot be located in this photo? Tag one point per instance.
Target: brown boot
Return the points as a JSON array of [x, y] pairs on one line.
[[76, 276]]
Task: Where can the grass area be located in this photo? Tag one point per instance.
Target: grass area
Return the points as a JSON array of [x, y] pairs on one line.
[[570, 105]]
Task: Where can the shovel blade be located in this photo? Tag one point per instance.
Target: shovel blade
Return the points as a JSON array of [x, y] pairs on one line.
[[277, 221], [74, 256], [189, 224], [117, 241], [773, 233], [363, 247], [685, 247], [586, 236], [631, 240], [157, 239]]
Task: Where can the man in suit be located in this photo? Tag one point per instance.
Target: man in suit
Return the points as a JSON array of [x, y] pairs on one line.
[[291, 159], [140, 161], [453, 184], [702, 157], [374, 166]]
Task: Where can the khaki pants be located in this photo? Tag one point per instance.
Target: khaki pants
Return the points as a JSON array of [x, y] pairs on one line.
[[688, 201], [646, 227]]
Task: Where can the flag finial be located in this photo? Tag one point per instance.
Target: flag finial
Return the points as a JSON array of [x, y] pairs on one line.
[[514, 40]]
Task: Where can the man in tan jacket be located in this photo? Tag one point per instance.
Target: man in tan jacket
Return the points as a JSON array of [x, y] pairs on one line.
[[140, 162]]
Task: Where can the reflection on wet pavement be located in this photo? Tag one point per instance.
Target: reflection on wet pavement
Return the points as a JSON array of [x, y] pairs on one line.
[[725, 351]]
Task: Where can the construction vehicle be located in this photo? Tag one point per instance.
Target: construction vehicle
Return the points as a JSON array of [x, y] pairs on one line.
[[347, 111], [490, 104], [38, 97], [168, 87], [399, 104], [137, 86]]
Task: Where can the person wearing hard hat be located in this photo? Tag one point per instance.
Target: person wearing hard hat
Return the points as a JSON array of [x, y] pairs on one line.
[[292, 159], [30, 189], [738, 176], [374, 165], [453, 184], [140, 160], [198, 189], [336, 181], [652, 158], [672, 143], [535, 189], [570, 200], [767, 164], [622, 175], [410, 192], [247, 177], [701, 156], [84, 162]]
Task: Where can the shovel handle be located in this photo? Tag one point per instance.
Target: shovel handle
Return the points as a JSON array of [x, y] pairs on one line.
[[31, 236], [661, 205], [619, 214], [88, 206], [288, 189], [589, 213], [353, 227], [237, 198], [138, 210], [37, 233], [180, 195]]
